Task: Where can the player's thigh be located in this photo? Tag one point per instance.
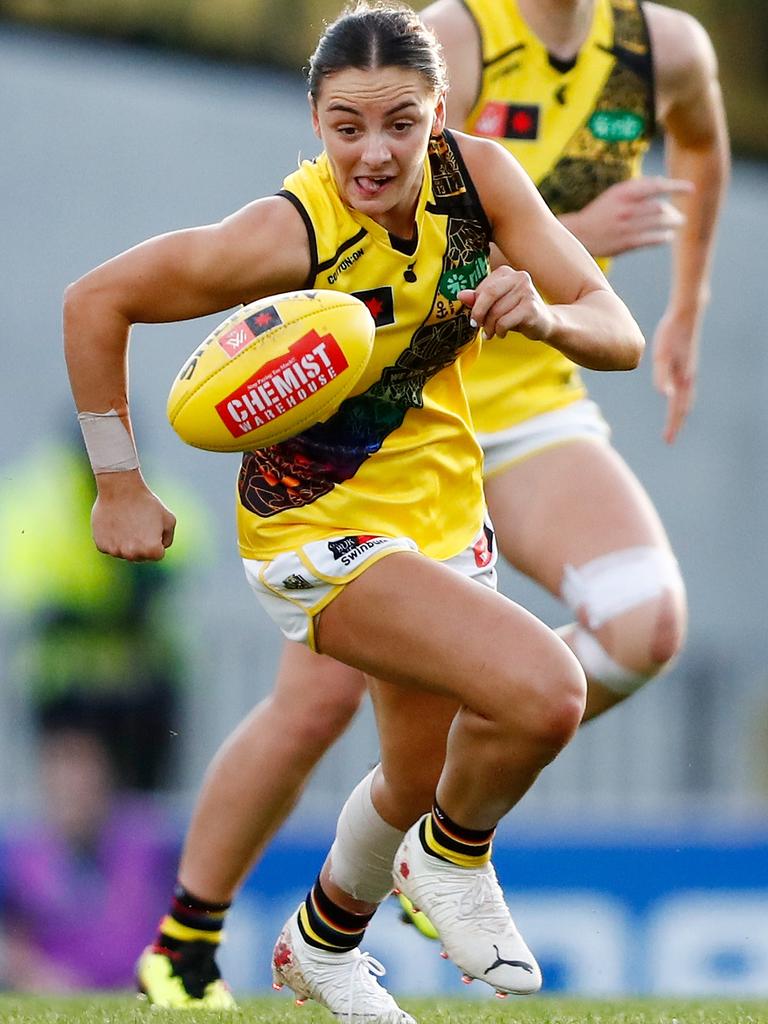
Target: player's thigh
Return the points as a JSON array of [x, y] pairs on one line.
[[566, 505], [414, 622]]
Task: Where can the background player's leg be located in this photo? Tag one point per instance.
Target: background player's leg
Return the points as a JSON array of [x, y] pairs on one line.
[[571, 505], [259, 772], [251, 786]]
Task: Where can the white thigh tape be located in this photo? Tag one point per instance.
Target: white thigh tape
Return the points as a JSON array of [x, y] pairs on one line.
[[364, 847], [110, 446], [614, 583]]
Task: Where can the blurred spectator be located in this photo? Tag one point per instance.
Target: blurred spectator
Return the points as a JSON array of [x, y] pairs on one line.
[[97, 642], [100, 656], [81, 886]]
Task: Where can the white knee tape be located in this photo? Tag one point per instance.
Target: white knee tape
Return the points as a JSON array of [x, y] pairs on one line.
[[614, 583], [364, 847], [599, 666]]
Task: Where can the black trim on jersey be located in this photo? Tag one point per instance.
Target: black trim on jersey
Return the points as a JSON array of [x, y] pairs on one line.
[[501, 56], [635, 62], [482, 216], [326, 264], [562, 66], [297, 203], [651, 71], [481, 41], [407, 246]]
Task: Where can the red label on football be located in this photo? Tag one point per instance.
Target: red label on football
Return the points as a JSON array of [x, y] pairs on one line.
[[310, 364], [235, 339]]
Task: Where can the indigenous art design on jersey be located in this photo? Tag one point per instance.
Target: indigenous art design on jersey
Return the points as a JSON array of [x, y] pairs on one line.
[[297, 472]]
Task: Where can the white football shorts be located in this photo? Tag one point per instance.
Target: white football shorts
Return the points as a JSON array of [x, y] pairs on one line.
[[295, 587], [573, 422]]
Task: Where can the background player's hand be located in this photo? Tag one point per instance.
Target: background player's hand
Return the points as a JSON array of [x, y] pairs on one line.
[[629, 215], [675, 362], [129, 521], [507, 300]]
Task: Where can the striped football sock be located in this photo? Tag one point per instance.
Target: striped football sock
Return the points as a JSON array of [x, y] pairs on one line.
[[190, 920], [443, 838], [326, 925]]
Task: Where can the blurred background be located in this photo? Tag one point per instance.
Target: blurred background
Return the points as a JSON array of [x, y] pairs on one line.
[[639, 862]]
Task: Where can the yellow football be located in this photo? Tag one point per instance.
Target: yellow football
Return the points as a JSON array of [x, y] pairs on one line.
[[271, 370]]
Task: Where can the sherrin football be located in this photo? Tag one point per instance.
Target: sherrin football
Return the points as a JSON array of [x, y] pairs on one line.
[[271, 370]]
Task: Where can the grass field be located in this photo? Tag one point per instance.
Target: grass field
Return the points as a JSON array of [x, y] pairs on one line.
[[280, 1010]]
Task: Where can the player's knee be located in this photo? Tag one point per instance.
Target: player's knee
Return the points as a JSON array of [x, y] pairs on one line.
[[329, 720], [667, 634], [632, 610], [562, 712], [318, 721], [552, 708]]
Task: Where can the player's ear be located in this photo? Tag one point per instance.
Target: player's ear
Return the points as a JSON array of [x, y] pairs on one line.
[[315, 118], [438, 121]]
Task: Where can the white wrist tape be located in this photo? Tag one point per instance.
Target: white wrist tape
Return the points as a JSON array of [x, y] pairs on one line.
[[110, 446]]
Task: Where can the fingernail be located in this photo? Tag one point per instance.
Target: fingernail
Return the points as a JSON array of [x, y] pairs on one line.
[[472, 322]]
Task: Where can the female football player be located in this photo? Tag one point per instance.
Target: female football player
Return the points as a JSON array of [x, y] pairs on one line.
[[393, 478]]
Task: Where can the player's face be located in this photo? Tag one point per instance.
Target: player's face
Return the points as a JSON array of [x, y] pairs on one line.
[[375, 126]]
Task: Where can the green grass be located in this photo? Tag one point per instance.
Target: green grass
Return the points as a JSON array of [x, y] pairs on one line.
[[98, 1009]]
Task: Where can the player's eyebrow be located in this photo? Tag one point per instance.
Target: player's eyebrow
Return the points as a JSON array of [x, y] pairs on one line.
[[338, 105]]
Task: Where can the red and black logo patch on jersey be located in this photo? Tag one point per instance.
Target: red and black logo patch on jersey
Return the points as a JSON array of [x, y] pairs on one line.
[[499, 120], [522, 121], [380, 303], [263, 320]]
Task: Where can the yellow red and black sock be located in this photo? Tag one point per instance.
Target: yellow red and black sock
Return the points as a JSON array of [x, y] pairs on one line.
[[189, 920], [326, 925], [443, 838]]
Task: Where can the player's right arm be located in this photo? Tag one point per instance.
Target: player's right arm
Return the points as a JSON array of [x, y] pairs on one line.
[[257, 251]]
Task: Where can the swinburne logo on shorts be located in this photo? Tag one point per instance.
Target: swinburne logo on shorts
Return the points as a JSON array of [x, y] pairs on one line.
[[236, 338], [349, 549], [283, 383]]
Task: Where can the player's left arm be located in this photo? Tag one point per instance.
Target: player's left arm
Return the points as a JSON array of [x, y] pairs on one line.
[[690, 111]]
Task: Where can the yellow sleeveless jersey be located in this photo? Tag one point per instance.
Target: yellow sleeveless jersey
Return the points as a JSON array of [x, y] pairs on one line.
[[576, 129], [400, 459]]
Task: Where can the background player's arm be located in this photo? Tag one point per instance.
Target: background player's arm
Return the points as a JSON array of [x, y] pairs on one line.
[[690, 110], [259, 250], [583, 317], [459, 37]]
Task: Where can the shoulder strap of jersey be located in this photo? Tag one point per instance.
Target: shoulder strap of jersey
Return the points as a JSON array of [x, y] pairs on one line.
[[632, 48], [453, 190]]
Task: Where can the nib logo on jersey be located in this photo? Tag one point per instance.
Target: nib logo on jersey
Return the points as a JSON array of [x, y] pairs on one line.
[[283, 383], [236, 338], [349, 549]]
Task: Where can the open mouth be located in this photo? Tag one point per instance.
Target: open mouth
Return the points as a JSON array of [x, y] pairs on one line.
[[372, 186]]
